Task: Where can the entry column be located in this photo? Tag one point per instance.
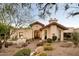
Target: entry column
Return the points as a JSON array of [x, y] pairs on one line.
[[62, 38]]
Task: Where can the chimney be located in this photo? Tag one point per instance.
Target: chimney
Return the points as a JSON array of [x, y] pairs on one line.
[[53, 20]]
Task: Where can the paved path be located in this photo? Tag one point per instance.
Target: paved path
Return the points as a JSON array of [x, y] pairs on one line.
[[32, 45]]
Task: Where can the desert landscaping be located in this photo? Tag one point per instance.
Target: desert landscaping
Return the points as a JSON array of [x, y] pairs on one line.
[[58, 49]]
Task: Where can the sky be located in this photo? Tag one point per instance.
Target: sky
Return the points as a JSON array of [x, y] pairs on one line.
[[61, 16]]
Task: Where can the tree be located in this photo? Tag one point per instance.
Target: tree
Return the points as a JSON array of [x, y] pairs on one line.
[[44, 9], [75, 39], [10, 14], [20, 14], [4, 33]]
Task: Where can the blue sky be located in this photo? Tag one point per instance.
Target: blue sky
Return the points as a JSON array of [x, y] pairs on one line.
[[61, 16]]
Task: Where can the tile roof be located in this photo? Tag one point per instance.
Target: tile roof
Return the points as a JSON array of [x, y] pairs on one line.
[[54, 23], [37, 23]]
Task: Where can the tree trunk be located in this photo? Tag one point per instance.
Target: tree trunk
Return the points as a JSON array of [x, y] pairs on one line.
[[5, 42]]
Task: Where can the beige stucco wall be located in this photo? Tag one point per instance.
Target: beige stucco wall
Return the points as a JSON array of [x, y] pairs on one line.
[[57, 31], [13, 33], [36, 27], [27, 33], [52, 30]]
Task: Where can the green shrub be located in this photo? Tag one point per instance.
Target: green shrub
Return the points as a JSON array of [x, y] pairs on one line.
[[75, 38], [48, 48], [54, 38], [49, 40], [42, 54], [23, 52], [34, 54], [47, 44]]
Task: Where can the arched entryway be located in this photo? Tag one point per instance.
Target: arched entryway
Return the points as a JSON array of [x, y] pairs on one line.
[[36, 34]]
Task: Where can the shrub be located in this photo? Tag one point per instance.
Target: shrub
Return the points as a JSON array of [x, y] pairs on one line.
[[40, 44], [9, 43], [24, 44], [1, 45], [23, 52], [58, 39], [34, 54], [41, 54], [48, 48], [33, 39], [54, 38], [47, 44], [75, 38], [49, 40], [27, 40], [6, 44]]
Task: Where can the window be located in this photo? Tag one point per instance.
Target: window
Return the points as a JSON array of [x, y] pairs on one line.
[[67, 36]]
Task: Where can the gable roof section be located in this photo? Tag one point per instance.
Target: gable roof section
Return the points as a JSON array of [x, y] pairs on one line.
[[37, 23], [54, 23]]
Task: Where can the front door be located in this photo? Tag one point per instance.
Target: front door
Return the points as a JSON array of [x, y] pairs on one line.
[[36, 34]]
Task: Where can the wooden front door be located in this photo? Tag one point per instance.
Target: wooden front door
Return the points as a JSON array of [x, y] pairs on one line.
[[36, 34]]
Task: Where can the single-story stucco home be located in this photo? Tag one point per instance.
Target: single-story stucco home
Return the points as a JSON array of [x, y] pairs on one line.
[[39, 30]]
